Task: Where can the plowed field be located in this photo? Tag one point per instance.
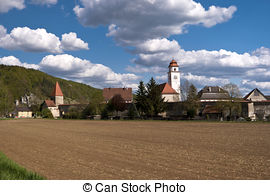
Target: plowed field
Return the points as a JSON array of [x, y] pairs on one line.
[[66, 149]]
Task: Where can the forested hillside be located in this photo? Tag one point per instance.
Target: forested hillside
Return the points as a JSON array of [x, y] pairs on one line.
[[16, 82]]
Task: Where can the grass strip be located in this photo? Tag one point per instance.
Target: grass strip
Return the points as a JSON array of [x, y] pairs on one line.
[[9, 170]]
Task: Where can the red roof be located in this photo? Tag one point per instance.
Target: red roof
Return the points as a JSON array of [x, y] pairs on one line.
[[50, 103], [57, 90], [167, 89], [126, 93], [173, 63]]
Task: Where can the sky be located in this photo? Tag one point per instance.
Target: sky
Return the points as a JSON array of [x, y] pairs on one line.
[[117, 43]]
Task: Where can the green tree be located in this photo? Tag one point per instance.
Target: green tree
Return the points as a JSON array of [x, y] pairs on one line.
[[132, 111], [149, 99], [89, 110], [155, 101], [141, 99], [117, 103], [105, 113], [192, 103], [46, 113]]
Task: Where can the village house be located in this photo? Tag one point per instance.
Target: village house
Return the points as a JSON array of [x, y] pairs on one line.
[[208, 97], [213, 94], [258, 105], [22, 112]]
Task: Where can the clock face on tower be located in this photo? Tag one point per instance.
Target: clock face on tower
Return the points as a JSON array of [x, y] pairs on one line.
[[175, 77]]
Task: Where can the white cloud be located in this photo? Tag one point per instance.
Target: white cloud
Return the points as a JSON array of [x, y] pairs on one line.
[[199, 81], [6, 5], [77, 69], [71, 42], [202, 67], [203, 80], [157, 46], [13, 61], [264, 86], [139, 20], [39, 40], [44, 2], [221, 63]]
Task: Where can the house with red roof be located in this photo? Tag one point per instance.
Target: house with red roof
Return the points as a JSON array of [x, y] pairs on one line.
[[125, 93], [57, 99]]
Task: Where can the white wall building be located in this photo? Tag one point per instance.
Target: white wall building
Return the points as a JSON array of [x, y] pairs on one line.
[[171, 91]]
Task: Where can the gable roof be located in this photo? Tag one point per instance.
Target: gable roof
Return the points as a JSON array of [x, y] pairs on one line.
[[213, 89], [213, 92], [50, 103], [57, 90], [126, 93], [165, 88], [255, 90], [23, 109]]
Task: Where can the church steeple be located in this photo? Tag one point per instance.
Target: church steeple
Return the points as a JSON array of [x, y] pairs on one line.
[[174, 77], [57, 95]]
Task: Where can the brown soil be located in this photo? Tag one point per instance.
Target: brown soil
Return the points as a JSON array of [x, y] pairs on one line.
[[65, 149]]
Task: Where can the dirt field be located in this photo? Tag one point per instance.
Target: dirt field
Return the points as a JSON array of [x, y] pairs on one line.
[[68, 149]]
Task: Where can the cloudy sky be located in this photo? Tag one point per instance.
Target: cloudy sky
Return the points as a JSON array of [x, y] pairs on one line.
[[117, 43]]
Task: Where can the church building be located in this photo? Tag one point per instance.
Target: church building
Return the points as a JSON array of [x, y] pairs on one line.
[[171, 91], [57, 99]]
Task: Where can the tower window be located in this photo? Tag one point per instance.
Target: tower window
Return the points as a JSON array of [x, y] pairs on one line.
[[174, 69]]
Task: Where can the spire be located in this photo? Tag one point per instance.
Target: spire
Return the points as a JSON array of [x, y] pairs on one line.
[[173, 63], [57, 90]]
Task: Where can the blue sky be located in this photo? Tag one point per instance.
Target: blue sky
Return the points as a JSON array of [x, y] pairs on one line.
[[117, 43]]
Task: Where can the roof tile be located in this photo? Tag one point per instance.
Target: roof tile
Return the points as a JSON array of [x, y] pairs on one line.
[[57, 90]]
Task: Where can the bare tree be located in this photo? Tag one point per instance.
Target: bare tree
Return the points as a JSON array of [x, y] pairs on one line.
[[233, 90], [184, 89]]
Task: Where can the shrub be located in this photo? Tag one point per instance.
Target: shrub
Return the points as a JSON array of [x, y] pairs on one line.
[[46, 113]]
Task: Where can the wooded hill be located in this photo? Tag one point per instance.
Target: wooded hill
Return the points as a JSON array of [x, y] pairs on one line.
[[17, 82]]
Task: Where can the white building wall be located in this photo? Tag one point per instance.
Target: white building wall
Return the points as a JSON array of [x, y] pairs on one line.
[[256, 98], [24, 114], [251, 110], [174, 80], [171, 97], [55, 111], [59, 100]]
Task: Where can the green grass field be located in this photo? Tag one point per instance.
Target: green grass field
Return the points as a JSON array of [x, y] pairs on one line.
[[9, 170]]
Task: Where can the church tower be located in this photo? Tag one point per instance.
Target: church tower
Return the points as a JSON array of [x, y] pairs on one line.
[[174, 77], [57, 95]]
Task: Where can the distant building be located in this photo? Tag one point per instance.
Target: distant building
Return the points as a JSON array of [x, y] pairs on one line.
[[23, 112], [52, 107], [57, 98], [57, 95], [171, 90], [213, 94], [169, 93], [258, 105], [126, 94]]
